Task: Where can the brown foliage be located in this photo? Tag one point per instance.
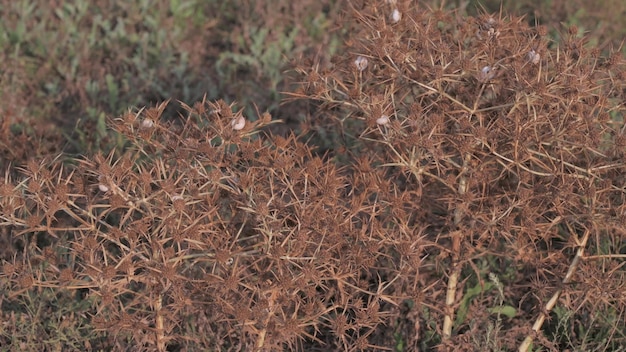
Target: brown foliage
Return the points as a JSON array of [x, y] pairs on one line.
[[473, 154]]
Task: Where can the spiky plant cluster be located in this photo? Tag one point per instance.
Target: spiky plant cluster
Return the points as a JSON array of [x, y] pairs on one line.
[[203, 234], [480, 184], [506, 148]]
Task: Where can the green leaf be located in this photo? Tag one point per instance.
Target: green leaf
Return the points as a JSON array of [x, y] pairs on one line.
[[508, 311], [113, 91], [467, 299]]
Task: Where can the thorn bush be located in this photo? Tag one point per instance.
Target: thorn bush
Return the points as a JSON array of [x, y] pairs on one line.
[[480, 184]]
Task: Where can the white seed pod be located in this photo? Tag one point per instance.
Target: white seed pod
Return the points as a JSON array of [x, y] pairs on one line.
[[534, 57], [382, 120], [360, 63], [101, 186], [177, 197], [238, 123], [147, 123], [396, 16], [486, 74], [493, 33]]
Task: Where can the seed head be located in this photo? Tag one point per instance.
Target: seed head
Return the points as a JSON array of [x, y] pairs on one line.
[[486, 74], [360, 63], [238, 123], [101, 186], [382, 120], [493, 33], [534, 57], [147, 123], [396, 15]]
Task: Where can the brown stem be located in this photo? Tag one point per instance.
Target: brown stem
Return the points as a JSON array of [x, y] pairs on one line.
[[453, 279], [555, 297]]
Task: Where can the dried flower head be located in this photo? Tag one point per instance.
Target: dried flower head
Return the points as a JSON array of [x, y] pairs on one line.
[[534, 57], [147, 123], [396, 15], [101, 184], [488, 26], [238, 123], [360, 63], [382, 120], [493, 33], [486, 74]]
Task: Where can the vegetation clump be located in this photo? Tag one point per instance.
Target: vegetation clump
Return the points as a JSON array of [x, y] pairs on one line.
[[457, 183]]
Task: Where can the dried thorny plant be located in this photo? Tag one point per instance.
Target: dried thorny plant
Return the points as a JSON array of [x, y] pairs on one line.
[[504, 148], [482, 173], [204, 234]]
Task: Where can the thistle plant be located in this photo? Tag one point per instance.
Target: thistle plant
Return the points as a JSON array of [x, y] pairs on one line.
[[478, 192], [505, 147]]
